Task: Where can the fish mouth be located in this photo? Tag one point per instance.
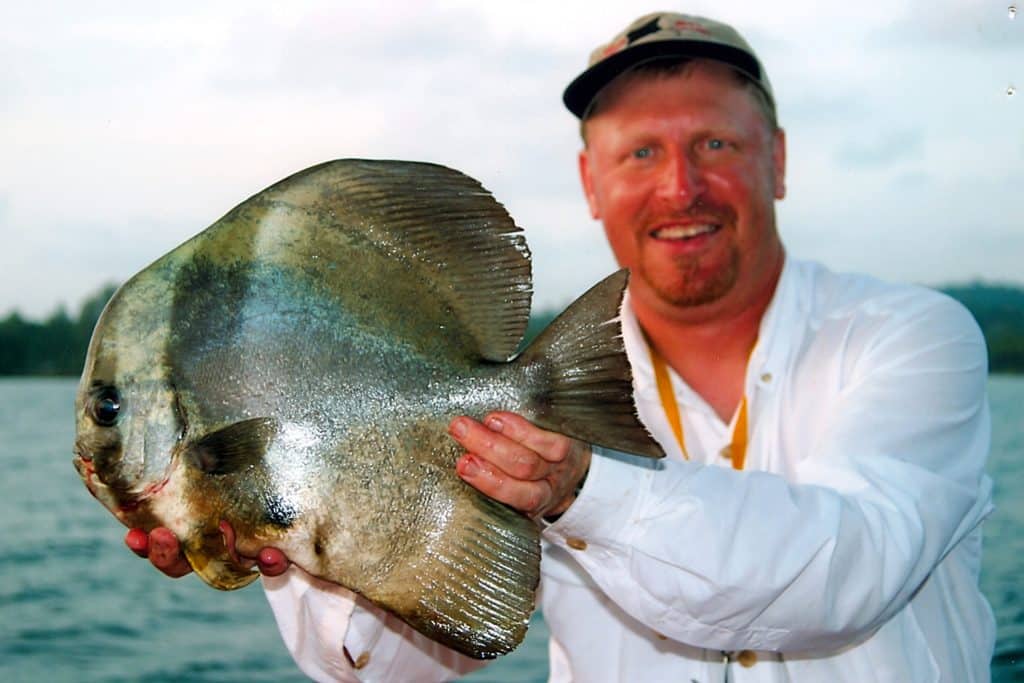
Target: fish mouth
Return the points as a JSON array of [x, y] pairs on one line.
[[121, 502]]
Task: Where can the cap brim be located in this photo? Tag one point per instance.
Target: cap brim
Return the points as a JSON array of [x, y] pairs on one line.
[[581, 91]]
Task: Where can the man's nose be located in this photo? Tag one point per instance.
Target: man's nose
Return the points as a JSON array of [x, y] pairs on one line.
[[682, 180]]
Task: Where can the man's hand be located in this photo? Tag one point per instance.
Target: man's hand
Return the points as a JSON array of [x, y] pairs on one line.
[[519, 464], [164, 552]]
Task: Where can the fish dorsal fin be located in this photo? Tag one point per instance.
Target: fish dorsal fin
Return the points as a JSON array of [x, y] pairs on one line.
[[232, 448], [441, 221]]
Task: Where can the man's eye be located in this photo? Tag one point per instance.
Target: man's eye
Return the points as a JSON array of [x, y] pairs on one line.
[[715, 143], [642, 153]]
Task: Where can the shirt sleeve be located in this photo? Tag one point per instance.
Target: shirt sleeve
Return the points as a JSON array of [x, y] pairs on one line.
[[335, 635], [891, 480]]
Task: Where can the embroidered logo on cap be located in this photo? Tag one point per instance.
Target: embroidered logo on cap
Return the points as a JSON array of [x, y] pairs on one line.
[[614, 47], [692, 27]]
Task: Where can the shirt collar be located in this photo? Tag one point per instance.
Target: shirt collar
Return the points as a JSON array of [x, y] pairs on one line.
[[775, 335], [768, 361]]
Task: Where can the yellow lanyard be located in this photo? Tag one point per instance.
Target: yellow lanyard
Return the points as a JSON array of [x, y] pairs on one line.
[[736, 451]]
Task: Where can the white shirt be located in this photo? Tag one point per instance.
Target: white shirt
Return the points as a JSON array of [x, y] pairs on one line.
[[848, 549]]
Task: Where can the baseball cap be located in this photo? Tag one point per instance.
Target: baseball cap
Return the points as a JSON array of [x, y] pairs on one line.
[[658, 36]]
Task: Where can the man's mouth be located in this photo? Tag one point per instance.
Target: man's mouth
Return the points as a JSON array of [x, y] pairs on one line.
[[685, 232]]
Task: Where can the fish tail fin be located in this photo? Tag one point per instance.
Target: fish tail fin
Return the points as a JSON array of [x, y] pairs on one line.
[[588, 384]]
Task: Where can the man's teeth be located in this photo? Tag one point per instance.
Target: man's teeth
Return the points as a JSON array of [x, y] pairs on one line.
[[682, 232]]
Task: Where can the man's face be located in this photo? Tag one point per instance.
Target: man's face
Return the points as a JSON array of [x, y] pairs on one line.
[[683, 170]]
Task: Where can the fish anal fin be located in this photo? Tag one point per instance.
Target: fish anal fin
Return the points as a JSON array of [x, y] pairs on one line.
[[232, 448], [476, 586]]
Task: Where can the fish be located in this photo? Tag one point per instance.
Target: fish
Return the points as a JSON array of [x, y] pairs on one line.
[[285, 378]]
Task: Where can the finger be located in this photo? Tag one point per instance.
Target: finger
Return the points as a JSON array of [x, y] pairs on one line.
[[165, 553], [272, 562], [228, 534], [551, 446], [137, 541], [503, 453], [529, 497]]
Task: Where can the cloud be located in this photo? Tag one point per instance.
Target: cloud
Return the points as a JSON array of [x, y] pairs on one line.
[[884, 148], [128, 128], [954, 25], [339, 49], [86, 59]]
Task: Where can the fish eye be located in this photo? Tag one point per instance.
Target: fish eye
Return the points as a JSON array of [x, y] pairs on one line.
[[106, 406]]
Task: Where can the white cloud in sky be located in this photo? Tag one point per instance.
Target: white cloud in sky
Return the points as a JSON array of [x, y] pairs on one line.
[[127, 127]]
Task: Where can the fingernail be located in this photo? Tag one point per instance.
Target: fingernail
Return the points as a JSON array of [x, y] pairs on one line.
[[137, 540], [457, 428], [272, 562], [495, 424], [470, 467]]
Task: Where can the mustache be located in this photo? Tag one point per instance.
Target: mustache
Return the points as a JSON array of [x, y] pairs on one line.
[[699, 209]]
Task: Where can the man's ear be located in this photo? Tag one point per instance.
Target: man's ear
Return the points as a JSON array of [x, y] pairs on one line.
[[588, 184], [779, 162]]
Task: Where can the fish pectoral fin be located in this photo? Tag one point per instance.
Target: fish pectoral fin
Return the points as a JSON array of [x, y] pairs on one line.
[[232, 448], [478, 583]]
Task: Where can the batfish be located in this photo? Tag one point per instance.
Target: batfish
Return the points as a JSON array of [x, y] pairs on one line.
[[291, 371]]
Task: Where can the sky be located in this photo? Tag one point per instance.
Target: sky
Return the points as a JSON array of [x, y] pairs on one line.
[[128, 127]]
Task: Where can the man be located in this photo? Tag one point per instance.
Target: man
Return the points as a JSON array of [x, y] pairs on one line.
[[818, 518]]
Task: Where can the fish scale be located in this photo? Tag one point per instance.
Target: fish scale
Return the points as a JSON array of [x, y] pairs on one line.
[[292, 371]]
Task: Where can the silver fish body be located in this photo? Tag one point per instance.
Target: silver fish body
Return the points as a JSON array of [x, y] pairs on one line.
[[292, 370]]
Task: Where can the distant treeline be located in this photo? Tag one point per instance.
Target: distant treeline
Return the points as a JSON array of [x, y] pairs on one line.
[[999, 311], [57, 345]]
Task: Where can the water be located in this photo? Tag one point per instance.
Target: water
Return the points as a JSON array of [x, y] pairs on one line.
[[75, 605], [1002, 575]]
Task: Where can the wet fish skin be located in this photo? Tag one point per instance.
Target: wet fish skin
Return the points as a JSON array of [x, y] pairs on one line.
[[292, 371]]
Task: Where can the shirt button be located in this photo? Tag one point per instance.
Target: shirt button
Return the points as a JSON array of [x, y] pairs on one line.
[[361, 661], [726, 452], [766, 377], [660, 636], [746, 658], [576, 543]]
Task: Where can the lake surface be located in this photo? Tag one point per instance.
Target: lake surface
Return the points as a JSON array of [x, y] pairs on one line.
[[76, 605]]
